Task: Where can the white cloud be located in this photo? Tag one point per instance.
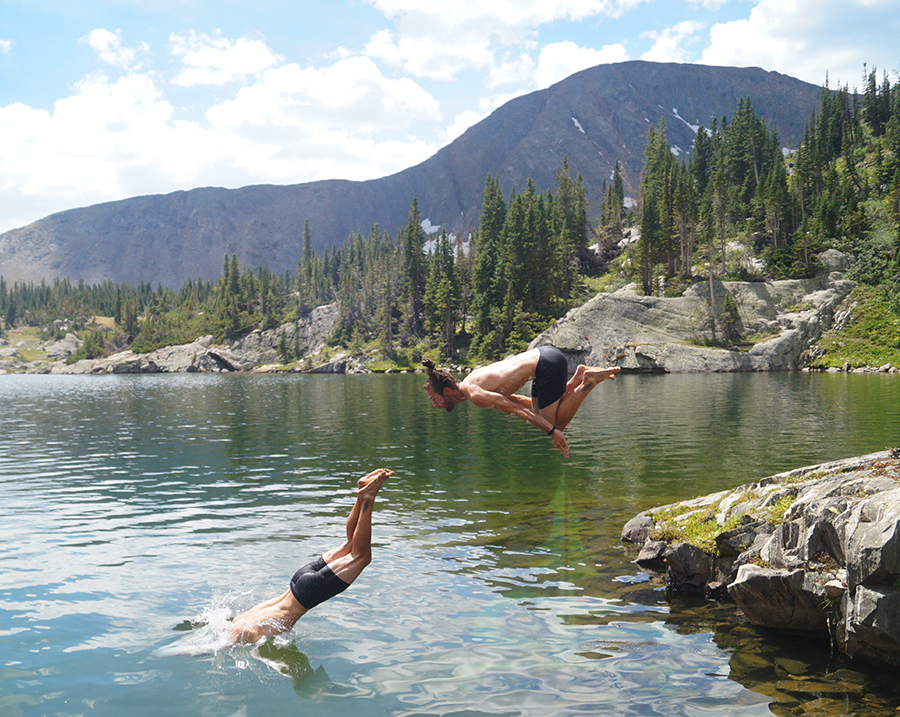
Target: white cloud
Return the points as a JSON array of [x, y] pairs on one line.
[[462, 122], [5, 46], [423, 52], [440, 40], [559, 60], [511, 72], [217, 60], [97, 144], [669, 45], [809, 38], [515, 12], [115, 138], [108, 48], [351, 94]]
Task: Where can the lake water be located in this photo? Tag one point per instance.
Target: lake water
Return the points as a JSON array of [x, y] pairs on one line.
[[140, 512]]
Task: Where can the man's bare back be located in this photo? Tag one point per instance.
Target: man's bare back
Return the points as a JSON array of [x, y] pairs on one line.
[[504, 377]]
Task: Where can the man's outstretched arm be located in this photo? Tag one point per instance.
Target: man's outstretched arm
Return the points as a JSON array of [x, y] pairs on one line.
[[519, 406]]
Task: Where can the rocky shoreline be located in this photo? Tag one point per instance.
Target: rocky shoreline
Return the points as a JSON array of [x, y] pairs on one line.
[[258, 351], [814, 550]]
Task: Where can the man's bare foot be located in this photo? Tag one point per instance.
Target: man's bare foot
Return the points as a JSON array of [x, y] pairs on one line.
[[373, 482], [365, 480], [594, 375]]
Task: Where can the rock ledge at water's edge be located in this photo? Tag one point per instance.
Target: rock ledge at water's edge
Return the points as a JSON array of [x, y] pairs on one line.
[[813, 550], [258, 351], [654, 334]]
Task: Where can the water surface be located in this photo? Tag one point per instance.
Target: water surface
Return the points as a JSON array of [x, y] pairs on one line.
[[140, 512]]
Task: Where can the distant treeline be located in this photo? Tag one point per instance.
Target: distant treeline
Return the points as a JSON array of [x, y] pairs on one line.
[[517, 273], [526, 262]]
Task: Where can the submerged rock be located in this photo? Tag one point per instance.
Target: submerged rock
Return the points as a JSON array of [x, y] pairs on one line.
[[816, 549]]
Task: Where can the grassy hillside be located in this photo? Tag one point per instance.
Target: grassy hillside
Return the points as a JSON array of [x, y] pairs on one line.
[[870, 335]]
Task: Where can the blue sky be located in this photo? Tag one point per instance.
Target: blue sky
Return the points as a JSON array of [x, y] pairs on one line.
[[107, 99]]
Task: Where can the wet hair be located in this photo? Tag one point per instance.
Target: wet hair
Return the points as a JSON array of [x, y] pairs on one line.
[[438, 378]]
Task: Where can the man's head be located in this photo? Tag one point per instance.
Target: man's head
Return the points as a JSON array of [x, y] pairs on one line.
[[440, 387]]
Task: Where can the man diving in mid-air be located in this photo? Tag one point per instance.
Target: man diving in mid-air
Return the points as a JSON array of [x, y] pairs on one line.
[[554, 399]]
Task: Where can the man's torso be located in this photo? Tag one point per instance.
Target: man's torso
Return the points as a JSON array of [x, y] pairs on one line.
[[504, 377]]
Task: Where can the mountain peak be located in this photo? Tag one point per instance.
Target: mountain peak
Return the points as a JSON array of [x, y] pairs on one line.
[[594, 118]]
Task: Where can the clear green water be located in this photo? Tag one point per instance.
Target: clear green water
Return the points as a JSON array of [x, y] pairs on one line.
[[138, 512]]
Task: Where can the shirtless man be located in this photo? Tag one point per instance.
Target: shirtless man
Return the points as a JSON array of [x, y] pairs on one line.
[[321, 579], [553, 403]]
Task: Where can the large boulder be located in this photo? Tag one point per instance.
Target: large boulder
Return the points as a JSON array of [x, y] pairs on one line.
[[64, 347], [307, 336], [811, 550], [662, 334], [778, 598]]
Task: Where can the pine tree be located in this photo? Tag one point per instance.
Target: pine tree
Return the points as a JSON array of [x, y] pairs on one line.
[[702, 159], [442, 293], [305, 287], [569, 217], [488, 289], [412, 239], [657, 218]]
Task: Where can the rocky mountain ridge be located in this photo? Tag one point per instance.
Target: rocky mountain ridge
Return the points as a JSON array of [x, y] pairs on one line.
[[593, 118]]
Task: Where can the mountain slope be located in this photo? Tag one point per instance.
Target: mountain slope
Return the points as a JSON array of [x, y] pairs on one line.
[[594, 118]]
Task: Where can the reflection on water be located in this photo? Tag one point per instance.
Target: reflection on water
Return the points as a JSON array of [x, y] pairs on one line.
[[137, 506]]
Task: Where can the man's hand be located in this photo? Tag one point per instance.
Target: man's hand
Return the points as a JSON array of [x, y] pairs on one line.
[[559, 440]]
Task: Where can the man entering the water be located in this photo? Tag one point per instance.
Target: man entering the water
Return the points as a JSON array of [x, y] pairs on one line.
[[321, 579], [554, 400]]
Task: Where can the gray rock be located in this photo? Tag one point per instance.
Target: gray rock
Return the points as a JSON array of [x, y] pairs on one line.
[[257, 349], [833, 260], [261, 347], [777, 598], [65, 347], [338, 364], [652, 334], [872, 535], [737, 541], [689, 568], [871, 625], [637, 530], [829, 562], [652, 555]]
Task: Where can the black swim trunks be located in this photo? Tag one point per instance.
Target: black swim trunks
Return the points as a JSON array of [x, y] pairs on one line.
[[315, 583], [550, 376]]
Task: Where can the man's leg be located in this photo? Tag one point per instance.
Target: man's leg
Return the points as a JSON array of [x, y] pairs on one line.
[[279, 614], [353, 518], [578, 387], [350, 559]]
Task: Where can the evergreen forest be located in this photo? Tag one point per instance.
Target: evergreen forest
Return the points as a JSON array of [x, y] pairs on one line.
[[742, 208]]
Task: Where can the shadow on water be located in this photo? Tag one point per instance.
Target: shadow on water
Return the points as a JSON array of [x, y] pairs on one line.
[[308, 682]]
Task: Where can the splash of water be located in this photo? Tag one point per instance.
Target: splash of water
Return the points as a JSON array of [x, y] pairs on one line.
[[207, 633]]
